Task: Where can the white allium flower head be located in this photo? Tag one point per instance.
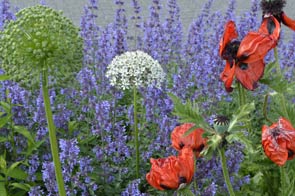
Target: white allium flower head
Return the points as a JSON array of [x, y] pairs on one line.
[[135, 68]]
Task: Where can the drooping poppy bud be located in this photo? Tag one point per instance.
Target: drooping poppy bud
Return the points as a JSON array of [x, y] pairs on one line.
[[173, 171], [194, 140], [278, 141]]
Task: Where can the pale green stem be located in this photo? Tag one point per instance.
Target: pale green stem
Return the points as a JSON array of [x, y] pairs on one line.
[[265, 108], [225, 171], [282, 97], [283, 178], [277, 61], [136, 130], [52, 136], [242, 99]]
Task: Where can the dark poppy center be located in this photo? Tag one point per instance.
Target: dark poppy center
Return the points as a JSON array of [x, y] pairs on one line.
[[290, 153], [270, 26], [243, 66], [275, 132], [181, 145], [231, 50], [199, 149], [274, 7], [165, 187], [181, 180]]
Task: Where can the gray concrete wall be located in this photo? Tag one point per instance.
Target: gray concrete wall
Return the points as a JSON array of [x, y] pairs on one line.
[[189, 8]]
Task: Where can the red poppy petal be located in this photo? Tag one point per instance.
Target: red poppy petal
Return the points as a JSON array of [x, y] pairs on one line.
[[285, 124], [255, 45], [288, 21], [249, 74], [229, 34], [227, 76]]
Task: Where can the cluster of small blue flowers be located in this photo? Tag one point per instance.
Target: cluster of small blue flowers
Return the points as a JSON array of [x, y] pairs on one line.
[[209, 173], [132, 189], [101, 108], [76, 171]]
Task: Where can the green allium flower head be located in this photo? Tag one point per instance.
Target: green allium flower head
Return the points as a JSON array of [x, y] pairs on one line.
[[40, 39], [135, 69]]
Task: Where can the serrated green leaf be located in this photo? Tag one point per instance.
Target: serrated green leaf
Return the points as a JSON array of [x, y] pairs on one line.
[[268, 69], [188, 112], [240, 137], [240, 117]]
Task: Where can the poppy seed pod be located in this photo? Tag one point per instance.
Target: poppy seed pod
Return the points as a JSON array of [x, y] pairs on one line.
[[40, 39], [278, 141]]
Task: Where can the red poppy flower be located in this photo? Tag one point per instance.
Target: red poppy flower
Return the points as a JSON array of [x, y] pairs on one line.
[[275, 8], [194, 140], [256, 45], [244, 60], [278, 141], [169, 173]]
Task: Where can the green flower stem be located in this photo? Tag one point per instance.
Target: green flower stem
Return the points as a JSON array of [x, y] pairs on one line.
[[242, 99], [265, 108], [279, 71], [225, 171], [136, 130], [277, 61], [283, 178], [52, 136]]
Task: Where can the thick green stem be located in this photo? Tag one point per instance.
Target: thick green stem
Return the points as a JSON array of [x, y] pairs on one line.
[[225, 171], [52, 136], [283, 179], [265, 108], [242, 99], [136, 130], [277, 61]]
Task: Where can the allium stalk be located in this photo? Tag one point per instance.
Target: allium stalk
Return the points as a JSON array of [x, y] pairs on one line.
[[132, 70], [42, 44], [136, 130], [52, 136]]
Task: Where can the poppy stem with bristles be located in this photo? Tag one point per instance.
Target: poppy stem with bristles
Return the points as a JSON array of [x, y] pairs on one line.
[[136, 131], [225, 171]]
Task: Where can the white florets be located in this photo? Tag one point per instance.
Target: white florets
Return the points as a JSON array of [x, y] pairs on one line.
[[135, 69]]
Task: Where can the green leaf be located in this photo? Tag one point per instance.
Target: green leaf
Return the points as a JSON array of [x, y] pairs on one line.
[[23, 131], [268, 69], [3, 191], [188, 113], [240, 137], [240, 117], [4, 120], [17, 173], [5, 106], [3, 139], [4, 77], [23, 186]]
